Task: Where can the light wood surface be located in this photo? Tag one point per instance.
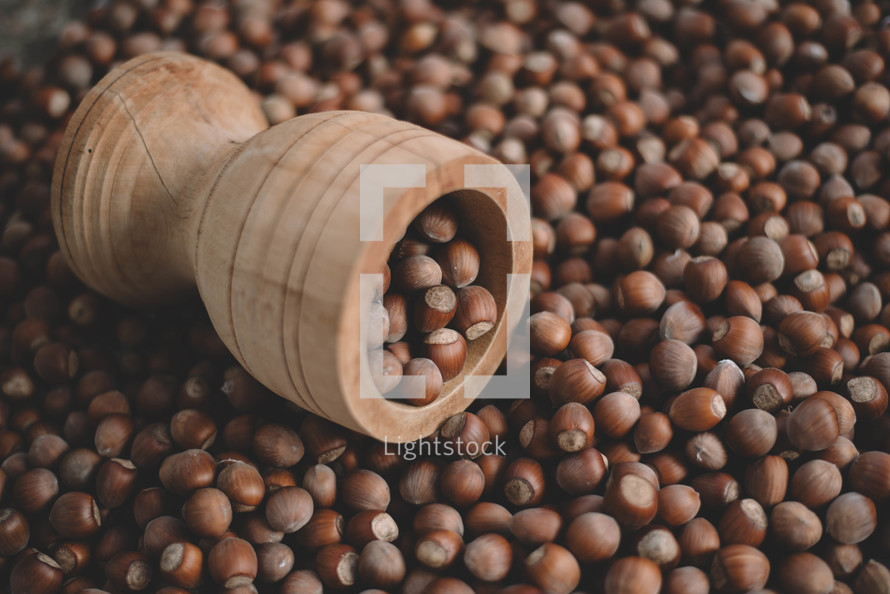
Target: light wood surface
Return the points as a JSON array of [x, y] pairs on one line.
[[168, 179]]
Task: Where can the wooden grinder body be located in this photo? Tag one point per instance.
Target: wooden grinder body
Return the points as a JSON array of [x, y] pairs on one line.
[[168, 178]]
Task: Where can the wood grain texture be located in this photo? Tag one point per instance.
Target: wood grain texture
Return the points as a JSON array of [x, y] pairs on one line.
[[168, 179]]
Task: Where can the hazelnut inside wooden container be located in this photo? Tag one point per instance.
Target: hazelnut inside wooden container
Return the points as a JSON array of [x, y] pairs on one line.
[[482, 227], [168, 179]]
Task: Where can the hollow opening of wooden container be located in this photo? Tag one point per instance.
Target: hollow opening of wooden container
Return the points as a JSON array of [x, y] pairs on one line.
[[483, 221]]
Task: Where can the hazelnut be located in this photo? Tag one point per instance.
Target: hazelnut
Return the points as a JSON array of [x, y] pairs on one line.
[[129, 571], [364, 489], [622, 377], [288, 509], [716, 489], [274, 562], [278, 446], [181, 564], [658, 545], [427, 369], [767, 480], [591, 345], [149, 504], [751, 433], [812, 425], [467, 432], [552, 197], [794, 526], [770, 389], [415, 273], [434, 308], [616, 413], [698, 541], [851, 518], [113, 434], [396, 306], [743, 522], [695, 158], [337, 565], [438, 548], [448, 350], [207, 512], [115, 482], [815, 483], [677, 504], [232, 562], [476, 312], [673, 365], [553, 302], [536, 525], [488, 557], [698, 409], [760, 259], [805, 572], [36, 572], [687, 579], [704, 278], [803, 333], [14, 532], [243, 485], [581, 472], [811, 289], [571, 427], [873, 578], [186, 471], [75, 515], [739, 568], [162, 532], [386, 370], [706, 450], [575, 233], [523, 482], [739, 338], [437, 516], [549, 333], [576, 380], [593, 537], [369, 525], [462, 482], [459, 262], [553, 567], [191, 428], [800, 254], [869, 397], [639, 293], [652, 433], [726, 378], [324, 527], [381, 564], [630, 497], [319, 481], [438, 222], [844, 560], [609, 201], [535, 439]]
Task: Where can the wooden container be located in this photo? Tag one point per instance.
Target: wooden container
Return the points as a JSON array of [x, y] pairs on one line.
[[168, 178]]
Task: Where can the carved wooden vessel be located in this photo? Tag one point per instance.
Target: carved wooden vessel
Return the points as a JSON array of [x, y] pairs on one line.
[[169, 179]]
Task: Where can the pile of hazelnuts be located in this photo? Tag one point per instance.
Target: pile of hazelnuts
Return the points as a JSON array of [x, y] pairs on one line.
[[429, 307], [710, 324]]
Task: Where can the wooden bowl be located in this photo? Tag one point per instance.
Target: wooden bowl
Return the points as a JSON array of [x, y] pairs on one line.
[[169, 178]]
